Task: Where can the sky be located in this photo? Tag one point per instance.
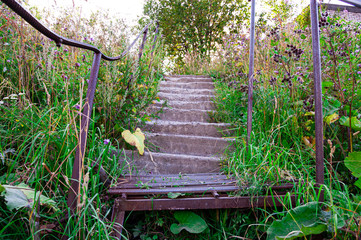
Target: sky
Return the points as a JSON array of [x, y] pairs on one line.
[[129, 10]]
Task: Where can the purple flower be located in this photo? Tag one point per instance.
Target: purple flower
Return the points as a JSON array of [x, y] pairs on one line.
[[359, 65], [66, 50], [77, 64], [344, 90], [359, 72], [275, 71], [77, 106], [106, 141]]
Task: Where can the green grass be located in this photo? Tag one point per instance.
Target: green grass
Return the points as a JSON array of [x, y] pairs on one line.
[[42, 87]]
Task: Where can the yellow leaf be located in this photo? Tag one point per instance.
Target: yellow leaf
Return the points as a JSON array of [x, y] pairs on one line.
[[136, 139], [311, 143], [332, 118], [309, 114]]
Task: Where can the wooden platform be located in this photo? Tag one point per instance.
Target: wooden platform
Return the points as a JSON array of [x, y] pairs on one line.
[[193, 191]]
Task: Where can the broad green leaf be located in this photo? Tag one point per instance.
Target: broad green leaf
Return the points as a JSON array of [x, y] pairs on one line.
[[327, 84], [1, 188], [298, 222], [330, 106], [172, 195], [353, 163], [136, 139], [15, 198], [355, 123], [331, 118], [303, 36], [188, 221], [23, 196], [358, 183]]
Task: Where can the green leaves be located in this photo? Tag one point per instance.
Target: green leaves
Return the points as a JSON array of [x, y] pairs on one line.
[[195, 26], [355, 123], [172, 195], [353, 163], [23, 196], [298, 222], [188, 221]]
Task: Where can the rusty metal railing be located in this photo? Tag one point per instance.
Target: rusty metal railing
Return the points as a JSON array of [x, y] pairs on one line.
[[74, 191]]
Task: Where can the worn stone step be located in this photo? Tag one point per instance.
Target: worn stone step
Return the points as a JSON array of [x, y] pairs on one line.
[[195, 105], [181, 115], [188, 79], [189, 128], [185, 91], [185, 97], [188, 144], [191, 85], [165, 163], [188, 76]]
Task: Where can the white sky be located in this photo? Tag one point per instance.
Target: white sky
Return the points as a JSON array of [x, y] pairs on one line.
[[128, 10]]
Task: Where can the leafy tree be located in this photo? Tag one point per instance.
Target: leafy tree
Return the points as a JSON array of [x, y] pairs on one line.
[[304, 20], [281, 10], [195, 25]]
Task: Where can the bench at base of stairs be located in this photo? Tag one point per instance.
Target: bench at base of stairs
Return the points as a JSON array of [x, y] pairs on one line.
[[193, 191]]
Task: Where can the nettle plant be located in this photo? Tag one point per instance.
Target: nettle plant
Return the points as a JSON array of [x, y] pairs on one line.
[[341, 62]]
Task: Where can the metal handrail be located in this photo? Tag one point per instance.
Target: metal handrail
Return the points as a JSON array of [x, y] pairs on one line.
[[74, 191], [28, 17], [356, 3]]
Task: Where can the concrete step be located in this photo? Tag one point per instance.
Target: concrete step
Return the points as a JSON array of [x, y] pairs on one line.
[[181, 115], [188, 76], [186, 91], [195, 105], [188, 79], [190, 128], [185, 97], [186, 144], [191, 85], [164, 163]]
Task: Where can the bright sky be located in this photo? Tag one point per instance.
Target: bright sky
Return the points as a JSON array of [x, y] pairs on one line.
[[128, 10]]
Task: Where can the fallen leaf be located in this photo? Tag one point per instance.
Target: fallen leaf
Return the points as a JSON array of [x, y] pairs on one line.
[[136, 139]]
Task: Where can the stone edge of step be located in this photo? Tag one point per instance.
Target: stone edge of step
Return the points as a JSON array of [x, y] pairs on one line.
[[129, 153], [223, 139]]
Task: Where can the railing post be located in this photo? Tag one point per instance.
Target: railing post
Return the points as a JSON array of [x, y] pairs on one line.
[[318, 94], [143, 43], [155, 37], [250, 74], [74, 191]]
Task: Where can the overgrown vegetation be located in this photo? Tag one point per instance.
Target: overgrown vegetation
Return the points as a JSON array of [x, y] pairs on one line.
[[42, 91], [282, 143]]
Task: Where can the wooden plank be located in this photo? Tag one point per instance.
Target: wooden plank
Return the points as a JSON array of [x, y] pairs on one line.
[[196, 189], [163, 181], [202, 176], [183, 182], [203, 203]]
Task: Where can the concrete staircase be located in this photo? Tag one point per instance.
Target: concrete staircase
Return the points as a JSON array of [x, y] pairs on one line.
[[182, 140]]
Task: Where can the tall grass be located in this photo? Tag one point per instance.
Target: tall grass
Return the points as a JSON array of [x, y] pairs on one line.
[[42, 92], [282, 146]]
